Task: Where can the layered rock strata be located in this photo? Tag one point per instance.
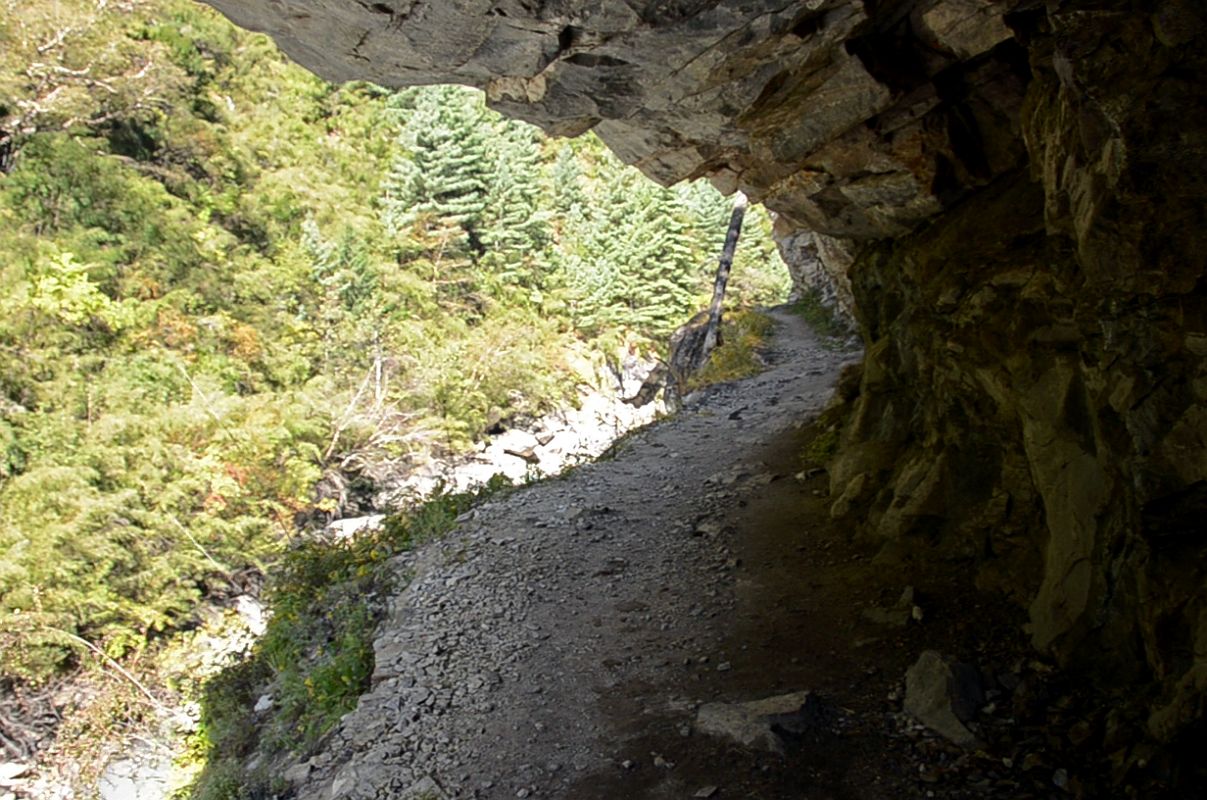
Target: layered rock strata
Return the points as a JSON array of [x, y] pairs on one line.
[[1009, 196]]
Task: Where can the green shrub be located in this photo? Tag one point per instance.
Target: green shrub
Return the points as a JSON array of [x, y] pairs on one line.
[[821, 318]]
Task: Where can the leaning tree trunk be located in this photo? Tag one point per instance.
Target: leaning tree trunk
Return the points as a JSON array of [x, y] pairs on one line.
[[712, 334], [693, 342]]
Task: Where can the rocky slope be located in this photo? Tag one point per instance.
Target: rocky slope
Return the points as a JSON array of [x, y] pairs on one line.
[[1013, 191]]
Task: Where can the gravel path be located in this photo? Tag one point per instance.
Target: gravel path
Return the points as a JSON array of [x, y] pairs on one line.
[[559, 625]]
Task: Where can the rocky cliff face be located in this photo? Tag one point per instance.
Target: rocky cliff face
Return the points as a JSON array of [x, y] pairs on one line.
[[1008, 194]]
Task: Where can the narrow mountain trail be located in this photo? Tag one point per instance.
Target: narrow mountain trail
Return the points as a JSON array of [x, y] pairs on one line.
[[562, 622], [567, 639]]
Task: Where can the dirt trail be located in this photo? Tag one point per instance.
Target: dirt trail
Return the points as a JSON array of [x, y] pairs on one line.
[[560, 643], [562, 630]]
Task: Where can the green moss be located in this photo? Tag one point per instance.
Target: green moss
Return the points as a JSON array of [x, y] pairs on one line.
[[822, 447]]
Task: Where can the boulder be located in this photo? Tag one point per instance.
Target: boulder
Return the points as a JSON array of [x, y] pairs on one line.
[[944, 695], [756, 724]]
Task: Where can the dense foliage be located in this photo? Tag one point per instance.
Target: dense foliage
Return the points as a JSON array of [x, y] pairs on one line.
[[222, 278]]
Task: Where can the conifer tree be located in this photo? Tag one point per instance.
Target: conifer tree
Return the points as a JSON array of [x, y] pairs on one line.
[[348, 306], [518, 234], [515, 188], [400, 190], [566, 179], [443, 186], [638, 264], [663, 262]]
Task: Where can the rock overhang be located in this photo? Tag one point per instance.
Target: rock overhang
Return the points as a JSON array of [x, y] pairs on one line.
[[848, 118]]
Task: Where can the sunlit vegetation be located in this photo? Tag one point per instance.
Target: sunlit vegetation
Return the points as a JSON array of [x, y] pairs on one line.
[[744, 334], [223, 279]]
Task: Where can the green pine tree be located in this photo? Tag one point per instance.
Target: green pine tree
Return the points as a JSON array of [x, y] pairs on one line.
[[665, 262], [444, 187], [518, 233], [566, 181], [639, 263]]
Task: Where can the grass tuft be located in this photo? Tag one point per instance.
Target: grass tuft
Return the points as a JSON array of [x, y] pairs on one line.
[[822, 445], [821, 448], [744, 334], [821, 318]]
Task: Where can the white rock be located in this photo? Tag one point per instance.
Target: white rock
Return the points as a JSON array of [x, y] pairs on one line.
[[353, 526], [13, 769], [748, 723], [252, 612], [296, 774], [938, 693], [137, 779]]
